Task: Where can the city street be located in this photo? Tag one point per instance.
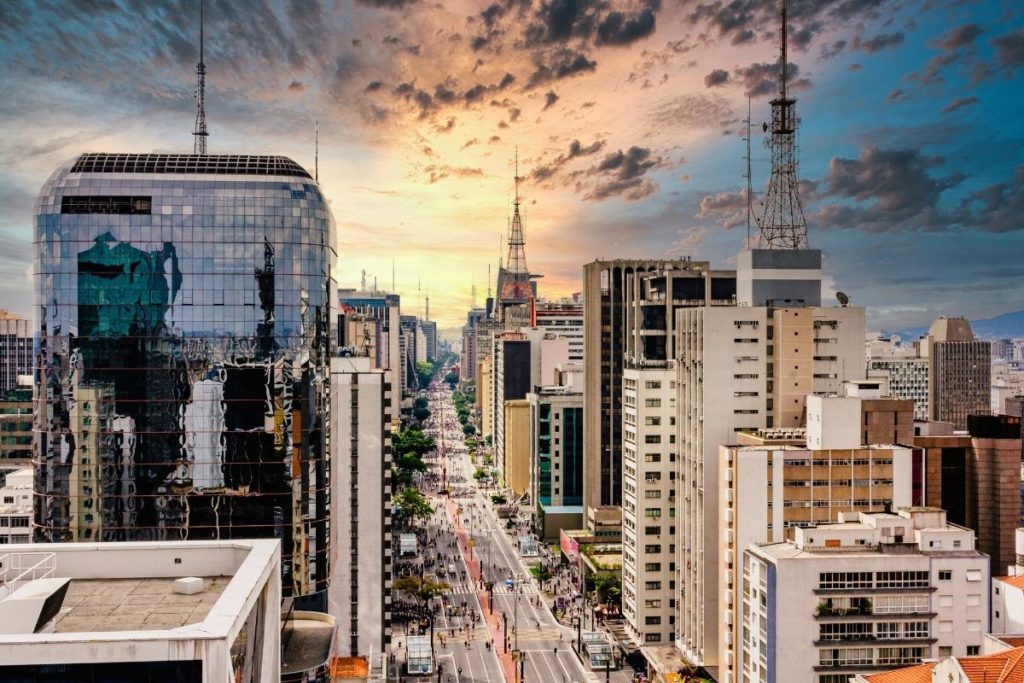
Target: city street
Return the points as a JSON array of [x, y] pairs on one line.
[[470, 536]]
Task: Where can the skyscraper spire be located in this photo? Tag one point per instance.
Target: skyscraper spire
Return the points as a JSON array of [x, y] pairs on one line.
[[782, 224], [200, 133]]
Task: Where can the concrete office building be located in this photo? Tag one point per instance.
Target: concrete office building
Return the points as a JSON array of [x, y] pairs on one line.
[[975, 477], [387, 309], [556, 443], [608, 324], [361, 527], [192, 297], [16, 424], [429, 328], [872, 592], [16, 506], [742, 369], [467, 357], [649, 464], [190, 611], [511, 380], [516, 446], [766, 490], [15, 350], [563, 319], [903, 369], [959, 372]]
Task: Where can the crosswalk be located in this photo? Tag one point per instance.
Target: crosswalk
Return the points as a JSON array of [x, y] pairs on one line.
[[502, 589]]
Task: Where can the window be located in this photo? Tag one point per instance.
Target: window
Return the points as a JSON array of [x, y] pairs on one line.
[[973, 650], [652, 438], [945, 651], [652, 586], [973, 600], [653, 566], [652, 512], [652, 548], [974, 575], [652, 457], [945, 575], [945, 601], [652, 621], [652, 420], [652, 402], [652, 530], [652, 637], [652, 384]]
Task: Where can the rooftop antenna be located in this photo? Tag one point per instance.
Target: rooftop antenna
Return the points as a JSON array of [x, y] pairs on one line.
[[472, 294], [316, 154], [362, 282], [782, 224], [393, 290], [200, 133], [489, 280], [426, 315], [419, 297], [750, 181]]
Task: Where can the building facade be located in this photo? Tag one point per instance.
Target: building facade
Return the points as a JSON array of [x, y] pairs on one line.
[[16, 425], [359, 596], [15, 350], [872, 592], [185, 308], [556, 451], [16, 506], [959, 372]]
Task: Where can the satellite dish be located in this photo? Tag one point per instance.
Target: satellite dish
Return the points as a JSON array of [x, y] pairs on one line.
[[844, 300]]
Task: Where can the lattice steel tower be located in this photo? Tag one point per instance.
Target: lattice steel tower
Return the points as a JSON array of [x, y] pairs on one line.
[[200, 133], [782, 224], [515, 286]]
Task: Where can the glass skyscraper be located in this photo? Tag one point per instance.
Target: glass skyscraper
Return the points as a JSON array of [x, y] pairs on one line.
[[184, 310]]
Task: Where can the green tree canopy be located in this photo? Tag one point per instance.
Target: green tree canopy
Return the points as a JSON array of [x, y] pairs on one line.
[[421, 589], [412, 505]]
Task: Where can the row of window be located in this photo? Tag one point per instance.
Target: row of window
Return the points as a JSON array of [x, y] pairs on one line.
[[888, 579]]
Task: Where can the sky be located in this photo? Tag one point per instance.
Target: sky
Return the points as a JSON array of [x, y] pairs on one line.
[[628, 117]]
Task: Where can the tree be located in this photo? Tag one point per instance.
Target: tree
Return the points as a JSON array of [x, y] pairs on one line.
[[412, 505], [412, 440], [425, 372], [452, 379], [468, 430], [421, 414], [540, 572]]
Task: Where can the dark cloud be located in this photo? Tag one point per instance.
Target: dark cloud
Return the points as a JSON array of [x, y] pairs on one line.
[[492, 14], [561, 63], [896, 95], [961, 36], [833, 50], [297, 87], [556, 21], [619, 29], [550, 97], [373, 86], [1010, 48], [387, 4], [878, 43], [762, 78], [576, 150], [959, 103], [997, 208], [716, 77], [623, 174], [890, 189]]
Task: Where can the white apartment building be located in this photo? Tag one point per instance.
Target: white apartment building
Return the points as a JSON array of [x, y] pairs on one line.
[[875, 591], [563, 319], [722, 388], [205, 611], [16, 506], [767, 491], [359, 596], [1008, 594], [649, 455], [741, 369]]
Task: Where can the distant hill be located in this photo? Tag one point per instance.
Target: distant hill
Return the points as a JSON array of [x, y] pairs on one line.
[[1005, 326]]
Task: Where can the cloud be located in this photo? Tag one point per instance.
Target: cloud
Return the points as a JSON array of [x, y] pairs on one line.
[[997, 208], [833, 50], [878, 43], [1010, 48], [959, 103], [438, 172], [618, 29], [575, 151], [762, 78], [387, 4], [623, 174], [728, 209], [896, 95], [890, 189], [550, 97], [560, 63], [694, 111], [716, 77], [961, 36], [297, 87]]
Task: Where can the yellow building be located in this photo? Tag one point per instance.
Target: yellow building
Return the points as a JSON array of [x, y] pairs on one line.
[[517, 446]]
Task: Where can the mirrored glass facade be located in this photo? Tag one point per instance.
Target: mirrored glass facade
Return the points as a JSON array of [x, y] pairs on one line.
[[184, 305]]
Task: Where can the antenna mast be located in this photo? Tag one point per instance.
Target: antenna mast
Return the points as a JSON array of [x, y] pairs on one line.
[[750, 180], [316, 154], [782, 224], [200, 133]]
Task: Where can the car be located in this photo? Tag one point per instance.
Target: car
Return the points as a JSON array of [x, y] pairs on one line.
[[451, 568]]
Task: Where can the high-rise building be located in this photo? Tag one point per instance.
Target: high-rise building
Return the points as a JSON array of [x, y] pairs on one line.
[[429, 328], [975, 477], [386, 308], [744, 368], [16, 425], [904, 370], [511, 381], [873, 591], [185, 320], [778, 483], [959, 372], [468, 360], [556, 450], [16, 506], [609, 311], [15, 350], [359, 596], [563, 319]]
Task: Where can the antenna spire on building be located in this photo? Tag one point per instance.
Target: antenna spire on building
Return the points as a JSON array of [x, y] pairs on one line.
[[200, 133], [316, 153], [782, 224]]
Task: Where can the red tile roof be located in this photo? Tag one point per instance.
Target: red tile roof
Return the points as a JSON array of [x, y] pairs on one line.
[[1000, 667]]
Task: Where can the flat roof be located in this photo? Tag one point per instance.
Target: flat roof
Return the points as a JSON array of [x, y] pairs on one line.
[[134, 604]]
